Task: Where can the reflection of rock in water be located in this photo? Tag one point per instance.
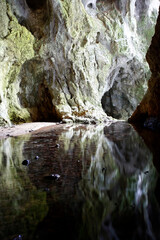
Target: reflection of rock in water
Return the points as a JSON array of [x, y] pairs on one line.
[[115, 189], [77, 145], [102, 176], [151, 139], [22, 207], [127, 148]]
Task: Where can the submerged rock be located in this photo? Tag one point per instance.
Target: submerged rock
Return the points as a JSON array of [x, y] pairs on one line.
[[19, 237], [57, 145], [46, 189], [152, 123], [26, 162], [52, 177]]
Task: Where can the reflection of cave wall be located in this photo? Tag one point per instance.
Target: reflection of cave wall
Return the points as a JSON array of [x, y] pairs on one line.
[[22, 205], [113, 195]]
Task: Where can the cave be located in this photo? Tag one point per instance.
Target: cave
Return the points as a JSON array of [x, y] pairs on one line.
[[79, 119]]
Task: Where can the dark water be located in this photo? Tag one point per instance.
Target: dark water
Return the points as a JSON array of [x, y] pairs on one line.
[[108, 189]]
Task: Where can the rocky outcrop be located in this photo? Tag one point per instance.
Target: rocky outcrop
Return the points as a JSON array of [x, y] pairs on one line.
[[150, 105], [16, 46], [130, 75], [59, 59]]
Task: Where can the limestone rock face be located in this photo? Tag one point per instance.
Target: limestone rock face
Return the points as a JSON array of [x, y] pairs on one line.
[[130, 71], [150, 105], [61, 60], [16, 46]]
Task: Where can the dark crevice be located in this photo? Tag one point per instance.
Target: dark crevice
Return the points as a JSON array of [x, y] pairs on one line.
[[35, 4], [90, 5], [46, 110]]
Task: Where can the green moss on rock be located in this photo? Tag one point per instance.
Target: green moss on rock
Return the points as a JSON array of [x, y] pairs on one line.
[[17, 48]]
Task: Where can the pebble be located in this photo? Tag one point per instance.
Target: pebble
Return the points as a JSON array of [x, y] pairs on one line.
[[152, 123], [26, 162], [104, 169], [57, 145], [53, 177], [19, 237], [57, 176]]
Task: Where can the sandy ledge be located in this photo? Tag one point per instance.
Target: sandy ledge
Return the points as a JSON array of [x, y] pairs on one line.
[[24, 128]]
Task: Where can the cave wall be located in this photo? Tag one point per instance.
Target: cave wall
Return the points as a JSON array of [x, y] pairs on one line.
[[59, 59], [150, 105], [129, 77]]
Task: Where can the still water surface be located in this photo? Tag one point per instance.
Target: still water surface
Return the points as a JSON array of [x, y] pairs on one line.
[[108, 187]]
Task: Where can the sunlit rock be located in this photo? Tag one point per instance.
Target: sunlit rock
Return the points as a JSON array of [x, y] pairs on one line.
[[89, 3], [15, 48], [61, 60], [90, 6], [130, 71]]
